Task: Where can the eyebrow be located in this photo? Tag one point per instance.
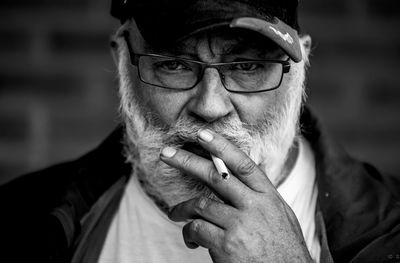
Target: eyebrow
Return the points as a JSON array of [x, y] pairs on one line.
[[175, 49], [237, 47], [243, 49]]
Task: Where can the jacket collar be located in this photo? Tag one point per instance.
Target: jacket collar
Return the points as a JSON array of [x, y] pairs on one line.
[[355, 205], [351, 196]]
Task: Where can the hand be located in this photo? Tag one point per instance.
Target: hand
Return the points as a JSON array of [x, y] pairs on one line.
[[254, 224]]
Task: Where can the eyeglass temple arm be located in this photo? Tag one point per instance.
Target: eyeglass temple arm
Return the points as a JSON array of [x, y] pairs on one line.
[[286, 66]]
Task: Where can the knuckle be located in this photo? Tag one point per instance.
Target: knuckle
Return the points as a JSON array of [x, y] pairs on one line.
[[201, 204], [187, 161], [249, 202], [213, 176], [228, 246], [231, 244], [235, 239], [223, 148], [246, 166], [195, 226]]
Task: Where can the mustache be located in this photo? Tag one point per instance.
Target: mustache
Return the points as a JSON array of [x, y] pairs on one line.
[[186, 129]]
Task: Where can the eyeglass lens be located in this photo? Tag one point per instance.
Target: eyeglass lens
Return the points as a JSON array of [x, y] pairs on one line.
[[182, 74]]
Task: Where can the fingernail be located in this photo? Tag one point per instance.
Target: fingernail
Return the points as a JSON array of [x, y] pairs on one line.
[[168, 152], [206, 135]]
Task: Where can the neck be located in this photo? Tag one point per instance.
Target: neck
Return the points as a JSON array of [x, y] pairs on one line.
[[289, 163]]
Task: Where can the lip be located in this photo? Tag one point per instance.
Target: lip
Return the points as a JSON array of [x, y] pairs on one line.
[[195, 148]]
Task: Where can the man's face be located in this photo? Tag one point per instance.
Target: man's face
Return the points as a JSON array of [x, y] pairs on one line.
[[261, 124], [209, 101]]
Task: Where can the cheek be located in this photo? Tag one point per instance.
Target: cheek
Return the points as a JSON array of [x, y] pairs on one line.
[[165, 104], [252, 108]]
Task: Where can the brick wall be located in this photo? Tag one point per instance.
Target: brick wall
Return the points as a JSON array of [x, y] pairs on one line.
[[58, 83], [354, 83]]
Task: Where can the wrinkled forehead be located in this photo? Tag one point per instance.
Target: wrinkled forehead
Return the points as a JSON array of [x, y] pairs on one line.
[[221, 42]]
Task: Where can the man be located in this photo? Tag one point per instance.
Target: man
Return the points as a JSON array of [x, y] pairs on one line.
[[202, 78]]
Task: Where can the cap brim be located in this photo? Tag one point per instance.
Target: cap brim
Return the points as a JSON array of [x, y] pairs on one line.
[[169, 23], [279, 32]]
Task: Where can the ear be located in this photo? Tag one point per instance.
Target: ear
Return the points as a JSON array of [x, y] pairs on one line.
[[118, 39], [306, 43], [135, 37], [114, 51], [116, 42]]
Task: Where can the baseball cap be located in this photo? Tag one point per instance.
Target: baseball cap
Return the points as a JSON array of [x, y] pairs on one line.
[[168, 21]]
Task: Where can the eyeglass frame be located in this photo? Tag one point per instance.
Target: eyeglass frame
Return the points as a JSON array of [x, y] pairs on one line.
[[134, 59]]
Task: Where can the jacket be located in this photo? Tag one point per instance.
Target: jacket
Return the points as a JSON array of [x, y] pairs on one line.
[[62, 213]]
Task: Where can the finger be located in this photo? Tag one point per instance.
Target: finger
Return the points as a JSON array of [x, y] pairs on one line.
[[213, 211], [202, 233], [237, 161], [231, 191]]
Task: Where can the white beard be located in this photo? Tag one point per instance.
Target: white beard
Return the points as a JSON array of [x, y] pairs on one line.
[[267, 143]]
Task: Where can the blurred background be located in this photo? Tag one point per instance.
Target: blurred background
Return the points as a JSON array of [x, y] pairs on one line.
[[58, 83]]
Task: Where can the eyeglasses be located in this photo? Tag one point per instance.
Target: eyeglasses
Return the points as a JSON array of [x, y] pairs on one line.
[[249, 76]]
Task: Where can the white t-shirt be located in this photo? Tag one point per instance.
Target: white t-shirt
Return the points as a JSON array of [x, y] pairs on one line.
[[140, 232], [300, 192]]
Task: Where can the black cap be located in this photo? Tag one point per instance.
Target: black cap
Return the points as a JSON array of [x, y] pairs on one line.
[[167, 21]]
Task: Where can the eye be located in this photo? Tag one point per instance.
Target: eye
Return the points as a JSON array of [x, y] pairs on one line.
[[247, 66], [172, 65]]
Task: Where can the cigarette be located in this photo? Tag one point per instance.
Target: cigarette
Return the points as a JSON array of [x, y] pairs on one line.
[[220, 166]]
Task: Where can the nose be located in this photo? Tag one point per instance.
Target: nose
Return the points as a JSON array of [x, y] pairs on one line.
[[211, 100]]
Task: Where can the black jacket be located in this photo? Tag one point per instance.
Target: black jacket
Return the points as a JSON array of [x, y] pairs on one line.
[[63, 213]]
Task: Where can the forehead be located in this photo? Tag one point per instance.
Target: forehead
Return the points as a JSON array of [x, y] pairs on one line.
[[222, 42]]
